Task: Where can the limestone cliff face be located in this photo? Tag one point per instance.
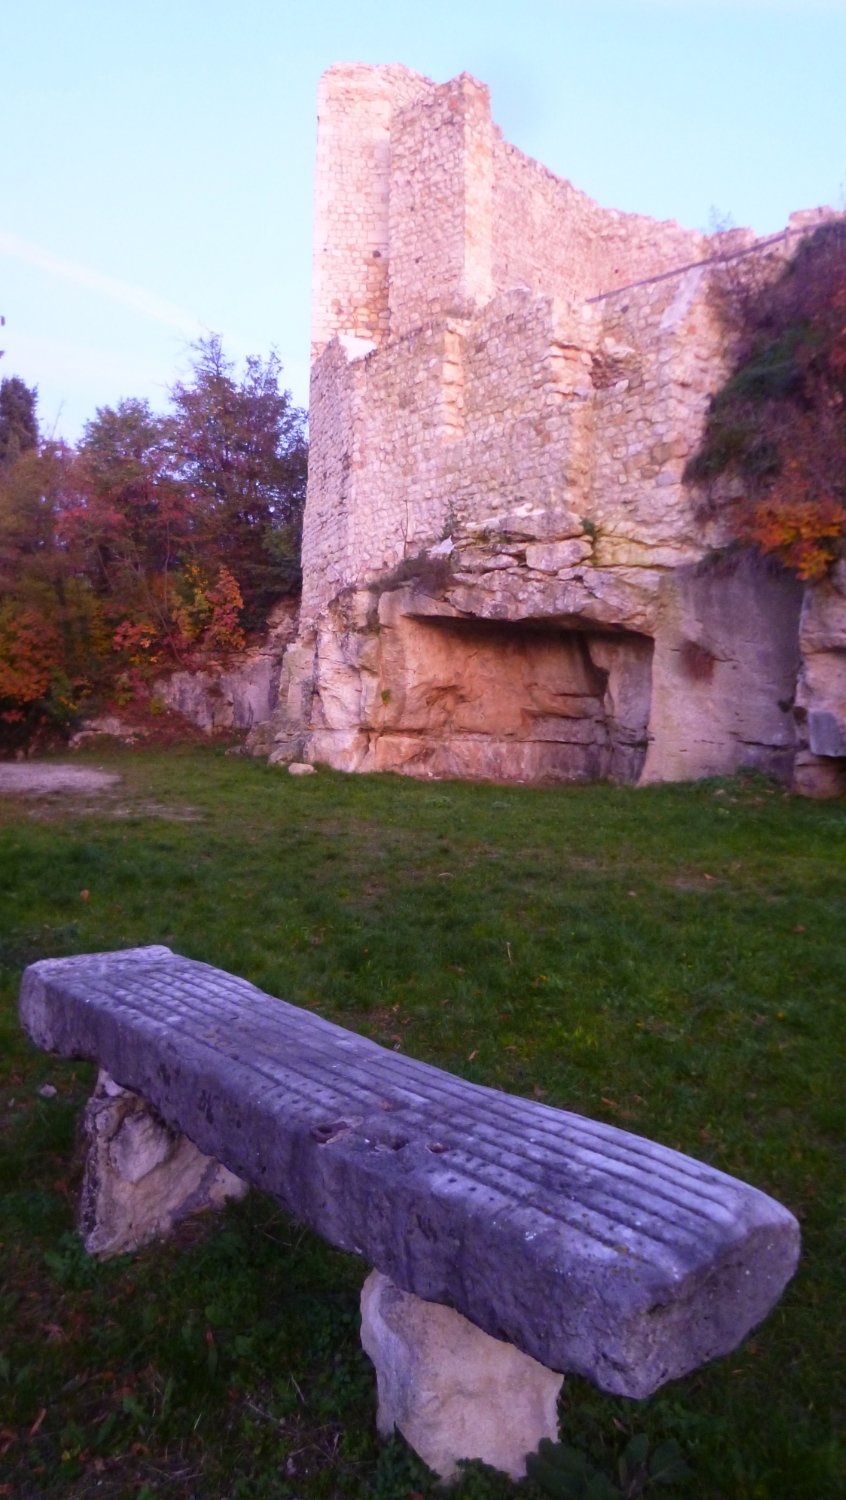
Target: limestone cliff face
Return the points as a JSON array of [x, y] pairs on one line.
[[504, 574], [240, 695]]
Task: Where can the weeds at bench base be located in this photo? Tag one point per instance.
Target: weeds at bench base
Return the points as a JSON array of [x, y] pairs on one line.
[[565, 1473]]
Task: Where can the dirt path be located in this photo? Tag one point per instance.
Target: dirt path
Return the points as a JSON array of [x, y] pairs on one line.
[[33, 778], [50, 789]]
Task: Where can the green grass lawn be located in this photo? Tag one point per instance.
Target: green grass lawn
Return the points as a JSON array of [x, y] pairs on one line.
[[671, 960]]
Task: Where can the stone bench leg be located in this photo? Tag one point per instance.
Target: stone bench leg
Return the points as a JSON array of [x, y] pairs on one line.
[[451, 1390], [140, 1176]]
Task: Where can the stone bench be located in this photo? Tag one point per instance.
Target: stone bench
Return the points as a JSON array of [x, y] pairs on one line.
[[547, 1242]]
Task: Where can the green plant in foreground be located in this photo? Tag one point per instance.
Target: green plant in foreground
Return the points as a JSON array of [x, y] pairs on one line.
[[566, 1474]]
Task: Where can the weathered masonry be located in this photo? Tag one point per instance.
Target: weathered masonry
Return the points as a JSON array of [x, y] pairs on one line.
[[504, 574]]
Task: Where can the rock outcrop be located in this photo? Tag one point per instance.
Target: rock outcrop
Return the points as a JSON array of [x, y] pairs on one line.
[[243, 693]]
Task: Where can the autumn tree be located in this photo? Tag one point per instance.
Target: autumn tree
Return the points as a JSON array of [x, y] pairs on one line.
[[52, 637], [125, 521], [190, 522], [157, 542], [778, 426]]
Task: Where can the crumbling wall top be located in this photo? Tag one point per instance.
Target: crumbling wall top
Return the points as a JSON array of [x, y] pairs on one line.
[[422, 211]]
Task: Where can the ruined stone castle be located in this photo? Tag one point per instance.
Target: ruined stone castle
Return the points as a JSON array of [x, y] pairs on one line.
[[504, 573]]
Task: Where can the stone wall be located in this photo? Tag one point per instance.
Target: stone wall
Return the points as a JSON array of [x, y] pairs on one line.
[[504, 572], [356, 107], [551, 238]]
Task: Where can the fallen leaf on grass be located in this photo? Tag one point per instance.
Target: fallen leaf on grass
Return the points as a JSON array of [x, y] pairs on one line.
[[37, 1423]]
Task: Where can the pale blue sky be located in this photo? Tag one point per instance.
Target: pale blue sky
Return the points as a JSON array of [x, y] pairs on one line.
[[157, 157]]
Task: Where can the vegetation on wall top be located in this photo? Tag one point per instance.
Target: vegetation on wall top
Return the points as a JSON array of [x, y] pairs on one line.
[[777, 428]]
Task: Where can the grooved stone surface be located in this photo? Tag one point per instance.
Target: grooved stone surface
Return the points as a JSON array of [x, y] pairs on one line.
[[589, 1248]]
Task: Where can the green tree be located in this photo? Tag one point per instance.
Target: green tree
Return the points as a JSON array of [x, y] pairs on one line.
[[240, 449], [18, 421], [126, 511]]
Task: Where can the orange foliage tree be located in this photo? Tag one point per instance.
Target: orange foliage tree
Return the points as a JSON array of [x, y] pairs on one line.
[[29, 648]]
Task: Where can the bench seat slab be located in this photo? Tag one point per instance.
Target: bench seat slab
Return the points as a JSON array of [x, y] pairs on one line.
[[591, 1249]]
